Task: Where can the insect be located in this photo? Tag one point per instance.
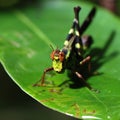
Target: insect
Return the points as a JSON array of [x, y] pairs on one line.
[[71, 55]]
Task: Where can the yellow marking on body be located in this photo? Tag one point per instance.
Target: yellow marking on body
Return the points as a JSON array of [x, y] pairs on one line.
[[66, 43], [81, 63], [56, 57], [71, 31], [57, 66], [76, 21], [79, 53], [77, 33], [77, 45]]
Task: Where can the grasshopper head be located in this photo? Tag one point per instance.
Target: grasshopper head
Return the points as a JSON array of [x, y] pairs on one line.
[[57, 57]]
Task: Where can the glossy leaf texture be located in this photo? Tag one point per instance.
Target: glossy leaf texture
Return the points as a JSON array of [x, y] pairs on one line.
[[25, 53]]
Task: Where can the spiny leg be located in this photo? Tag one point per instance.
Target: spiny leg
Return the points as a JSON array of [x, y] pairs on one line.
[[85, 42], [78, 42], [87, 21], [72, 30], [41, 82], [83, 80], [86, 84], [76, 12], [76, 20]]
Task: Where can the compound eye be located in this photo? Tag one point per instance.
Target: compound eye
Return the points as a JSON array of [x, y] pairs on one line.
[[61, 56], [52, 55]]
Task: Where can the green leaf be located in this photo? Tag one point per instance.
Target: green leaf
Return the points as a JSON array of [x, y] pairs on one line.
[[25, 53]]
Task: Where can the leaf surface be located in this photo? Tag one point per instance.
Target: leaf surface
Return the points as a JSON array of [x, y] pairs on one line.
[[25, 53]]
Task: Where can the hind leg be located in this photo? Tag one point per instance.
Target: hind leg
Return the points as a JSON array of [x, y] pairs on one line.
[[78, 41], [72, 30]]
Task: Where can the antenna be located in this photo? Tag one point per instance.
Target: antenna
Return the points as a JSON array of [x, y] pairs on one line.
[[51, 46]]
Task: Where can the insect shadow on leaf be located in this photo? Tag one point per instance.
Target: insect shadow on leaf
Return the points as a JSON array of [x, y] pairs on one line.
[[99, 53]]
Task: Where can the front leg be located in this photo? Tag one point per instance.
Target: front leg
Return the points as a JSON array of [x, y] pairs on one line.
[[86, 84], [42, 80], [83, 80]]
